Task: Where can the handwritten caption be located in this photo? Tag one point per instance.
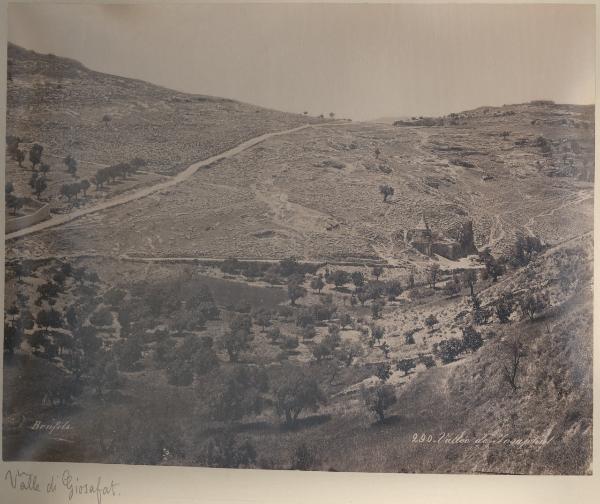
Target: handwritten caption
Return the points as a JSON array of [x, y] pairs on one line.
[[67, 483], [462, 438]]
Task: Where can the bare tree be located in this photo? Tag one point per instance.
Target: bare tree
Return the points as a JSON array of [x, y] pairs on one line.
[[514, 351]]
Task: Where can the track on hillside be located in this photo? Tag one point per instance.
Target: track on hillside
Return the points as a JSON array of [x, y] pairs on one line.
[[58, 220]]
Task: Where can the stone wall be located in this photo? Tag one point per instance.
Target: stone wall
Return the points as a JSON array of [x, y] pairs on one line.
[[16, 223]]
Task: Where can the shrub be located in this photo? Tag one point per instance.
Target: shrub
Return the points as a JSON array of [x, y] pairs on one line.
[[472, 340], [504, 307], [383, 372], [405, 365], [430, 321], [448, 350], [289, 342], [427, 360]]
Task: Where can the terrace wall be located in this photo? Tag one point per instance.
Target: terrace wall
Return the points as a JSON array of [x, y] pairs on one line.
[[16, 223]]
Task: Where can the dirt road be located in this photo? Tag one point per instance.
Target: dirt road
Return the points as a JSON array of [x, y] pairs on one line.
[[58, 220]]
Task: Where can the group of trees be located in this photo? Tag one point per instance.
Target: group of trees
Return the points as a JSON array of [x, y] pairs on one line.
[[110, 173], [280, 273], [72, 190], [245, 389], [448, 350], [195, 356], [38, 181]]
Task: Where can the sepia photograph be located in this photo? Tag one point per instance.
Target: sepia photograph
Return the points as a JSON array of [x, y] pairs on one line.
[[315, 237]]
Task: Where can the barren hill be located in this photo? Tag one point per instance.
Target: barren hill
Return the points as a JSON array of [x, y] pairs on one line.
[[107, 119]]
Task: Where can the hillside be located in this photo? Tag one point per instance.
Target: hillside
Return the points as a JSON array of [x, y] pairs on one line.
[[103, 120], [341, 296], [314, 194], [135, 310]]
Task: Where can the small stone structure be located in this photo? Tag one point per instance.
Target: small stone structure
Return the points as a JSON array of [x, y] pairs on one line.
[[428, 242]]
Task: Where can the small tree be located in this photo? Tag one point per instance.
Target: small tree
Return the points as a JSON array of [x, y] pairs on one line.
[[513, 353], [387, 191], [262, 318], [348, 352], [504, 307], [433, 274], [297, 393], [20, 157], [44, 168], [376, 310], [531, 304], [379, 399], [386, 349], [358, 279], [322, 351], [236, 341], [49, 318], [377, 271], [71, 165], [12, 339], [40, 186], [13, 202], [383, 372], [295, 292], [84, 185], [431, 321], [289, 342], [106, 119], [448, 350], [377, 332], [339, 278], [35, 155], [406, 365], [317, 284], [469, 279]]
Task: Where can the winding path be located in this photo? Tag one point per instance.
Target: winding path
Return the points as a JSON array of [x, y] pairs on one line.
[[58, 220]]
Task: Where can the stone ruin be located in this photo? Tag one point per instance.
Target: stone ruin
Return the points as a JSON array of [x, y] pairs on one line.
[[429, 242]]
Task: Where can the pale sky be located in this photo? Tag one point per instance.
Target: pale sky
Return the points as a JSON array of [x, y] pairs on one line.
[[359, 61]]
